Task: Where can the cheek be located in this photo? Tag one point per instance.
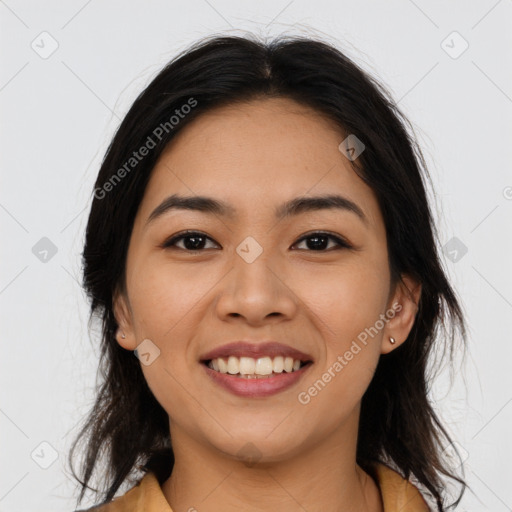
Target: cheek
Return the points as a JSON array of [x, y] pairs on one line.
[[163, 296], [345, 298], [345, 305], [168, 307]]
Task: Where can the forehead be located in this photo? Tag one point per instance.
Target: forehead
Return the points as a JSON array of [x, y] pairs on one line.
[[255, 155]]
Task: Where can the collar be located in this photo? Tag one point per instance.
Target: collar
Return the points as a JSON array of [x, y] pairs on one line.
[[398, 495]]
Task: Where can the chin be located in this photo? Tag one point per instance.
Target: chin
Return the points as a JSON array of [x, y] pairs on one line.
[[258, 448]]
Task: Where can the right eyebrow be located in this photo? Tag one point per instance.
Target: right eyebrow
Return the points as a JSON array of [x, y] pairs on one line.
[[296, 206]]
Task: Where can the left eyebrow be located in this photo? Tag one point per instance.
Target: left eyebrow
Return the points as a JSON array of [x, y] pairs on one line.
[[296, 206], [328, 202]]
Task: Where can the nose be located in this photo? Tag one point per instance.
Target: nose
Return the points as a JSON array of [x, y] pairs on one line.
[[258, 292]]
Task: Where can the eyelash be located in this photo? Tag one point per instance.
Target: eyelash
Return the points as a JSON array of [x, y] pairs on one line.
[[170, 243]]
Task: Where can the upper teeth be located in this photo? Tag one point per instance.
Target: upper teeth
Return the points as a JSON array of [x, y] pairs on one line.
[[251, 366]]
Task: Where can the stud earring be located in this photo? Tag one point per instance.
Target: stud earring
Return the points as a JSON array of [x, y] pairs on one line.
[[123, 335], [392, 340]]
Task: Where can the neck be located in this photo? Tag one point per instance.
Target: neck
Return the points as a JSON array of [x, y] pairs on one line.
[[324, 478]]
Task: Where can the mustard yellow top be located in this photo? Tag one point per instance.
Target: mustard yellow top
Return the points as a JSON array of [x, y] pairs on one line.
[[398, 495]]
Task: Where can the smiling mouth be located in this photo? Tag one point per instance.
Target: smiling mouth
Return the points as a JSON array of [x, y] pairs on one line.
[[251, 368]]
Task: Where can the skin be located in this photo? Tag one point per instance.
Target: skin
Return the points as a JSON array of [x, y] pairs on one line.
[[256, 155]]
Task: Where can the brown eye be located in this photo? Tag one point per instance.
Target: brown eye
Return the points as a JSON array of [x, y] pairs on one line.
[[319, 241], [196, 241], [192, 241]]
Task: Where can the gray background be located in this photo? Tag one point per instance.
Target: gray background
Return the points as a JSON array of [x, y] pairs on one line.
[[59, 111]]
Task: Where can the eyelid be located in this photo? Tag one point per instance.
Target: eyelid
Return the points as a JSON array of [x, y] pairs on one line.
[[340, 240], [167, 243]]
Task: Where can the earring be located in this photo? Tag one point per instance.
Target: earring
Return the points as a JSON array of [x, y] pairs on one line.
[[392, 340], [123, 335]]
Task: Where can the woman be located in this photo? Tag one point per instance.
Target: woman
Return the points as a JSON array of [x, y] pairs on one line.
[[260, 238]]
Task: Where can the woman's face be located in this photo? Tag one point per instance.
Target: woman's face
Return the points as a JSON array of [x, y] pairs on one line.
[[249, 275]]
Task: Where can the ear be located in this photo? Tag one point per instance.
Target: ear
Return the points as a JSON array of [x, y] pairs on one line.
[[404, 303], [122, 313]]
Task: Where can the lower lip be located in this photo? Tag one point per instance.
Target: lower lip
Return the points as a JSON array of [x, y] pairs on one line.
[[254, 388]]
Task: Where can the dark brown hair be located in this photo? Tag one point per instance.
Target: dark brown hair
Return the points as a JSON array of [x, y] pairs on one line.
[[127, 427]]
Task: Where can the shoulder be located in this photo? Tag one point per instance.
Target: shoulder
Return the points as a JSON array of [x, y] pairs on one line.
[[397, 492], [134, 500]]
